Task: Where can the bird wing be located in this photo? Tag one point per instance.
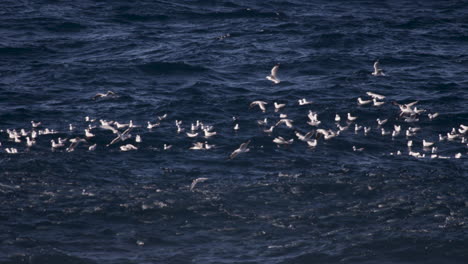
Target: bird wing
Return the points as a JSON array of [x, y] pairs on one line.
[[274, 70], [244, 146]]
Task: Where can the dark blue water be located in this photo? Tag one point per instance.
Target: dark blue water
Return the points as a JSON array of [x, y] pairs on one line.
[[207, 60]]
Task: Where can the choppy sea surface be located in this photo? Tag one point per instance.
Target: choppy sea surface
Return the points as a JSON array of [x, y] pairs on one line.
[[207, 61]]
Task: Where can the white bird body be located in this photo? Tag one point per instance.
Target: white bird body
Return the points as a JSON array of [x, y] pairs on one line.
[[381, 122], [305, 137], [151, 126], [377, 70], [56, 145], [88, 134], [282, 141], [273, 76], [242, 149], [351, 118], [337, 118], [427, 144], [191, 135], [208, 133], [278, 106], [167, 147], [198, 146], [270, 130], [304, 101], [312, 143], [35, 124], [138, 139], [92, 147], [363, 102], [261, 105], [375, 96], [100, 95], [377, 103], [432, 116], [128, 147], [196, 181], [287, 122]]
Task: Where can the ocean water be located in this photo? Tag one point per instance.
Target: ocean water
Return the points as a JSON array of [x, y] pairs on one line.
[[207, 60]]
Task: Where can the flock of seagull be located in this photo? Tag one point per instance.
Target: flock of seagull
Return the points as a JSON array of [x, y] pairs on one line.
[[409, 114]]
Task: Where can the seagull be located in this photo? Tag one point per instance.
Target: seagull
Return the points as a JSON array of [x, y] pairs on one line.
[[191, 135], [367, 130], [151, 126], [427, 144], [287, 122], [119, 125], [197, 180], [242, 149], [357, 128], [377, 70], [377, 103], [138, 139], [337, 118], [197, 146], [92, 147], [34, 124], [376, 96], [162, 117], [30, 142], [357, 149], [272, 77], [167, 147], [11, 150], [100, 95], [384, 133], [305, 137], [208, 133], [121, 136], [363, 102], [381, 122], [108, 127], [88, 133], [304, 101], [282, 141], [88, 119], [260, 104], [270, 130], [351, 118], [410, 143], [263, 122], [278, 106], [209, 146], [397, 128], [74, 143], [128, 147], [342, 128], [236, 127], [312, 143], [433, 116]]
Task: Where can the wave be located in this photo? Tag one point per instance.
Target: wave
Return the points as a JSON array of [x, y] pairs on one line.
[[170, 68]]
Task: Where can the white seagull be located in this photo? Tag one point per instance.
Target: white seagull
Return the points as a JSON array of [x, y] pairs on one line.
[[242, 149], [272, 77], [260, 104], [377, 70]]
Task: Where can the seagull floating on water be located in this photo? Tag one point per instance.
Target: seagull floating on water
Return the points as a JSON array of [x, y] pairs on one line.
[[101, 95]]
